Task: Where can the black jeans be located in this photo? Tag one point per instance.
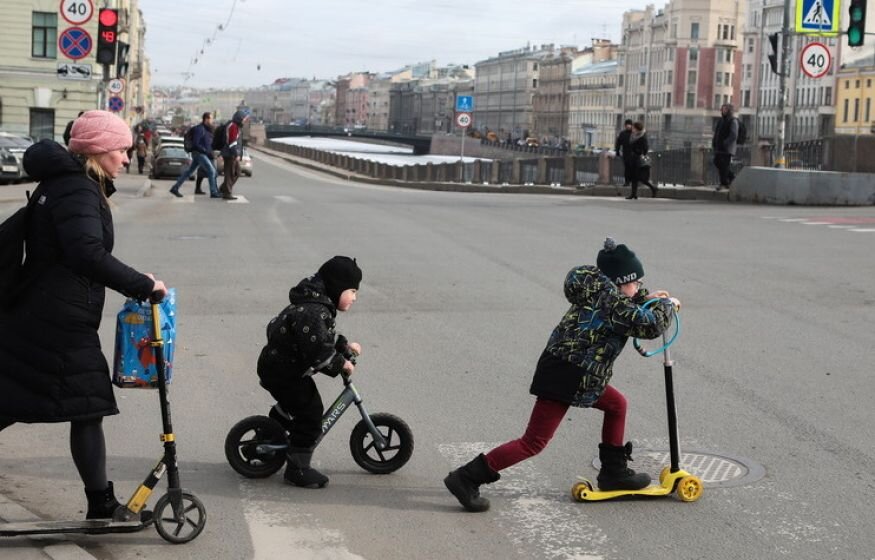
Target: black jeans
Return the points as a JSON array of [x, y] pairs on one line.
[[722, 163]]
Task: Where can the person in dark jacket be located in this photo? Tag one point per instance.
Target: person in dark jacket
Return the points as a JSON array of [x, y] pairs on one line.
[[621, 148], [575, 369], [725, 144], [302, 341], [52, 368], [69, 128], [638, 148], [201, 157], [232, 152]]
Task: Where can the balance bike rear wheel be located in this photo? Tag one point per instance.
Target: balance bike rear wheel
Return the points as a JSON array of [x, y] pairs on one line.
[[241, 446], [382, 461], [184, 529]]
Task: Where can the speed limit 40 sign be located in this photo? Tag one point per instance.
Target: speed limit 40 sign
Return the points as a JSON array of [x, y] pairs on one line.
[[463, 120], [77, 12], [816, 60]]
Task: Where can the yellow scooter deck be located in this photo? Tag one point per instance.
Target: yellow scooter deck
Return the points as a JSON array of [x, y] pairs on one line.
[[688, 486]]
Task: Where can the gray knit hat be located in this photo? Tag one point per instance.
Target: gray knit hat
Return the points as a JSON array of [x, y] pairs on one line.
[[619, 263]]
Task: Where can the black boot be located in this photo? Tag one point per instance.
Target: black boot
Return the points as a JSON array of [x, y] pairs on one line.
[[615, 474], [298, 471], [101, 503], [634, 194], [465, 481]]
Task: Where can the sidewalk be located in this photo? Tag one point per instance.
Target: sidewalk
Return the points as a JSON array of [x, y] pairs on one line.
[[665, 191]]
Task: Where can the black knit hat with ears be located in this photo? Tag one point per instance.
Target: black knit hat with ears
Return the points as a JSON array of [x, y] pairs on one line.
[[340, 274], [619, 263]]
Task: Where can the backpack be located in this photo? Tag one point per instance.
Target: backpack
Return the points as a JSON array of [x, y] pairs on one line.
[[12, 238], [742, 133], [220, 137], [188, 140]]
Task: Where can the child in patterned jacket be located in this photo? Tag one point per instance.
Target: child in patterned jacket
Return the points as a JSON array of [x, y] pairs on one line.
[[575, 369]]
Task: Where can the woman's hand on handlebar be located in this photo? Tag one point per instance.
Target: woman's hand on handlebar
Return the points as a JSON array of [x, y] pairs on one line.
[[348, 367], [355, 348], [159, 290]]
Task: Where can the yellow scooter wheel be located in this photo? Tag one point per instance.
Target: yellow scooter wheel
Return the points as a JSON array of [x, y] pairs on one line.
[[690, 488], [580, 490]]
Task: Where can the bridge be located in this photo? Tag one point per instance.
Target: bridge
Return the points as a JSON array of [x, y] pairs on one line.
[[421, 144]]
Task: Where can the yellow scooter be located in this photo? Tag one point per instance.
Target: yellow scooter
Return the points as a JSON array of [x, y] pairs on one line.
[[672, 478]]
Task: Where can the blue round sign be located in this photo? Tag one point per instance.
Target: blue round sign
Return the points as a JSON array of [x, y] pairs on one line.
[[75, 43], [116, 104]]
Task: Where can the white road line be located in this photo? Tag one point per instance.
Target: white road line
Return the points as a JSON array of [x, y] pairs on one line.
[[815, 223], [533, 515], [793, 219], [863, 230], [240, 200], [841, 227], [278, 531], [286, 198]]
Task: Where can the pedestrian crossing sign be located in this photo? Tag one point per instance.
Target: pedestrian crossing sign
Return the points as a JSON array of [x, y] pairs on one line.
[[818, 17]]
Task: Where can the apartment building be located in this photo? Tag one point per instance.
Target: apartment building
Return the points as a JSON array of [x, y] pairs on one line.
[[811, 101], [504, 88], [855, 99], [351, 101], [550, 101], [41, 88], [592, 94], [677, 66]]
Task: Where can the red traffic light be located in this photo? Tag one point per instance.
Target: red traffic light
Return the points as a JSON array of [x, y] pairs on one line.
[[108, 17]]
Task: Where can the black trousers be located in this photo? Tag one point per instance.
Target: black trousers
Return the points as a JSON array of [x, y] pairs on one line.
[[629, 169], [301, 399], [722, 163]]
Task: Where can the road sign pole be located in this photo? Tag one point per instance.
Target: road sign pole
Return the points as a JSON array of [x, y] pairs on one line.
[[782, 93]]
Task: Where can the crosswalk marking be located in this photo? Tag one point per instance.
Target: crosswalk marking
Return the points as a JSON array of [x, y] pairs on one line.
[[240, 200], [856, 224], [286, 198]]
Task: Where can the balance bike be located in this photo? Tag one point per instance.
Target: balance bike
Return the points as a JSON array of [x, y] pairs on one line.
[[672, 478], [380, 443], [179, 516]]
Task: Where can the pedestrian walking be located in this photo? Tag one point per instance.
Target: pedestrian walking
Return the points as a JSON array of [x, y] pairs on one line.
[[201, 141], [575, 369], [142, 148], [52, 368], [232, 151], [725, 143], [302, 341], [621, 148], [202, 174], [638, 149]]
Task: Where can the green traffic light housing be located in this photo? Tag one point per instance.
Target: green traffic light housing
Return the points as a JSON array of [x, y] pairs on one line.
[[857, 23]]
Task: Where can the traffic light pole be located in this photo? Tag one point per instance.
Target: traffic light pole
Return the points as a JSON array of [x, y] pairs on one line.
[[782, 87]]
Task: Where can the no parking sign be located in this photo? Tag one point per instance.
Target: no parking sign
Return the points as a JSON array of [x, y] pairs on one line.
[[116, 104], [75, 43]]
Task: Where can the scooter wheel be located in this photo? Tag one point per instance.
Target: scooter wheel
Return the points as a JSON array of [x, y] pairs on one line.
[[580, 490], [382, 461], [187, 525], [690, 488], [241, 446]]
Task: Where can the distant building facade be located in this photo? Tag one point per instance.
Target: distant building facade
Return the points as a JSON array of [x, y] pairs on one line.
[[855, 101]]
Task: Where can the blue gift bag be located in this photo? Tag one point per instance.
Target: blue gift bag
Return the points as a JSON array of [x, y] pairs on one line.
[[135, 359]]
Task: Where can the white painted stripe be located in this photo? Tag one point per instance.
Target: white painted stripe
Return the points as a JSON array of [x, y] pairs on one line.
[[279, 531], [771, 217], [286, 198], [240, 200], [815, 223], [792, 219], [863, 230], [841, 227], [533, 515]]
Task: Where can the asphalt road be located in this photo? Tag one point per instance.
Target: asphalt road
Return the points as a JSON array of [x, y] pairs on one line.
[[460, 293]]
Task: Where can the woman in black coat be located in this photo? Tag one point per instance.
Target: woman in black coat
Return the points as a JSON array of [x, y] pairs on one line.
[[639, 147], [52, 368]]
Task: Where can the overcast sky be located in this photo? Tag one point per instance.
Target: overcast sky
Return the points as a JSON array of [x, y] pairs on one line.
[[326, 38]]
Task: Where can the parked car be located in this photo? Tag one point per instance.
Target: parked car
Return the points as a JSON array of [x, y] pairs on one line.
[[245, 164], [12, 150], [169, 161]]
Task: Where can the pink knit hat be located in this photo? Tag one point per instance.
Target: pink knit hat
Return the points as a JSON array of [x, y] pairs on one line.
[[98, 132]]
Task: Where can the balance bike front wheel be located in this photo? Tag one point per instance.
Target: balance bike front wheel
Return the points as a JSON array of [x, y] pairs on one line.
[[395, 455], [180, 526]]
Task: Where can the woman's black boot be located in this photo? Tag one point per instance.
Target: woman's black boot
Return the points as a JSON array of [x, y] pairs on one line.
[[101, 503], [615, 473], [464, 483]]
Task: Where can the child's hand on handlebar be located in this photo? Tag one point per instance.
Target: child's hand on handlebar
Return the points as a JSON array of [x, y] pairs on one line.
[[348, 367], [355, 348], [660, 294], [676, 303]]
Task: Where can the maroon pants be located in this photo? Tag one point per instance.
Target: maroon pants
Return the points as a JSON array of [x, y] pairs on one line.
[[546, 416]]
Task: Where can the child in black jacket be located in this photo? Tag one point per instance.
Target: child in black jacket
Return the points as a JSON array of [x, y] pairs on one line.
[[302, 341]]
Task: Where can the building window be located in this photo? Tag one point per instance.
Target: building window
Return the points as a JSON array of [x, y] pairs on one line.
[[750, 45], [642, 79], [729, 56], [845, 112], [44, 37], [691, 78], [42, 124], [746, 99], [668, 77], [719, 79], [856, 110], [694, 30], [694, 55], [717, 101], [691, 100], [868, 107], [732, 32], [847, 84], [667, 100]]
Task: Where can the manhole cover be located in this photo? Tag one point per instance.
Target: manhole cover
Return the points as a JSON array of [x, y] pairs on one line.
[[715, 469]]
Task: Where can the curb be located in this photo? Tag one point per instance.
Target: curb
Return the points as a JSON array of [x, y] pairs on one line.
[[666, 192], [60, 549]]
